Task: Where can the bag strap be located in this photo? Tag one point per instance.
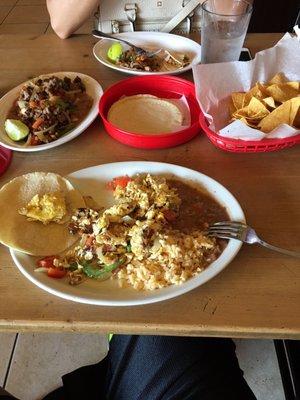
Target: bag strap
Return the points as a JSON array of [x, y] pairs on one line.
[[180, 16], [297, 31]]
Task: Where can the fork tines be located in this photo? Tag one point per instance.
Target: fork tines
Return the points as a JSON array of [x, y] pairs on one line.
[[226, 229]]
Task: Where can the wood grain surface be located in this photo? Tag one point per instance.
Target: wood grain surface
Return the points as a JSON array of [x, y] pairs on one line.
[[257, 295]]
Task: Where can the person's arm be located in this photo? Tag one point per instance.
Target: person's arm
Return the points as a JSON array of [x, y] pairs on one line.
[[68, 15]]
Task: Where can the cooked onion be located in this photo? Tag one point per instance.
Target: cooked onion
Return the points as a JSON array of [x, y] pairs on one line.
[[41, 269], [45, 130]]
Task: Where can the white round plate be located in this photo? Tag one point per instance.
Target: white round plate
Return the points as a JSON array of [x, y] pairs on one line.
[[92, 181], [151, 40], [93, 89]]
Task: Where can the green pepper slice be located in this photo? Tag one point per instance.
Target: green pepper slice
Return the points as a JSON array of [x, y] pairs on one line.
[[97, 273]]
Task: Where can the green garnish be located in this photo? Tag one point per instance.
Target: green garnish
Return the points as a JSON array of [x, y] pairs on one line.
[[62, 104], [73, 266], [93, 272], [65, 130]]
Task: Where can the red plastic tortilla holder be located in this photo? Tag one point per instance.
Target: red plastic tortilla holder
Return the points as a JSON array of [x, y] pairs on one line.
[[5, 159]]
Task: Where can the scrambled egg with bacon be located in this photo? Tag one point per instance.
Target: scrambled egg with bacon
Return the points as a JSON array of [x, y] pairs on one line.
[[50, 207]]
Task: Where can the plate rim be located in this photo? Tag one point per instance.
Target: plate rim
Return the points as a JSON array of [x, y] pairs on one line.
[[90, 117], [143, 73], [147, 300]]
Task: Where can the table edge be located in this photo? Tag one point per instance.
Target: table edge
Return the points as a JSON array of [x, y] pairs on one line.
[[153, 329]]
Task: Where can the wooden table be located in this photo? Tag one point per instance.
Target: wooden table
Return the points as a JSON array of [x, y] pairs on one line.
[[258, 295]]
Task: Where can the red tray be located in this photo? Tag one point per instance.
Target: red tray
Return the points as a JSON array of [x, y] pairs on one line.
[[242, 146], [162, 86]]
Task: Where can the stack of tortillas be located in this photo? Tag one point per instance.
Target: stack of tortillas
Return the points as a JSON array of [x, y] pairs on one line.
[[145, 114]]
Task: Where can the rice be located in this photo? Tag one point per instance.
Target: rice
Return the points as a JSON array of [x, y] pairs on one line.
[[175, 258]]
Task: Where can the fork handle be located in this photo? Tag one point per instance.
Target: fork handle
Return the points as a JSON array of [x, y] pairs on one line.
[[100, 34], [279, 249]]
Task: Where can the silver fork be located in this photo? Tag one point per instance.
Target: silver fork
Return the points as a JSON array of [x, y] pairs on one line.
[[244, 233], [138, 50]]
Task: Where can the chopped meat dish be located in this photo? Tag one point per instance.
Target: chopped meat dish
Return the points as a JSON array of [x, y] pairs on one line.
[[141, 62], [50, 107]]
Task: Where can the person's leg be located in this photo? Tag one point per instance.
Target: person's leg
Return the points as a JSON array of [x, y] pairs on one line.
[[87, 382], [174, 368]]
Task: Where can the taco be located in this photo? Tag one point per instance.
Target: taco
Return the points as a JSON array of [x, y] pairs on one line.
[[35, 210]]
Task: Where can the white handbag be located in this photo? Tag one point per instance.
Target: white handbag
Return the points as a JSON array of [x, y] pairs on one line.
[[178, 16]]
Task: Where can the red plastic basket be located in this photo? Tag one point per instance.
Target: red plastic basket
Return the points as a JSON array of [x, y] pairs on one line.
[[242, 146], [163, 86]]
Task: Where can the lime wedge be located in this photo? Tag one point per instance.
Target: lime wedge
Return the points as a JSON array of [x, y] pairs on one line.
[[16, 129], [114, 52]]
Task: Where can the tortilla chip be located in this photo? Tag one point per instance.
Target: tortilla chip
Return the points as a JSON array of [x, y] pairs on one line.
[[253, 113], [238, 99], [293, 84], [296, 121], [243, 112], [277, 79], [283, 114], [269, 102], [250, 121], [247, 122], [255, 91], [268, 105], [232, 108], [284, 91], [257, 107], [295, 106]]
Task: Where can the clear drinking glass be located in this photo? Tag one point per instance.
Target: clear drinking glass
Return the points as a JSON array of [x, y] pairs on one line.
[[224, 25]]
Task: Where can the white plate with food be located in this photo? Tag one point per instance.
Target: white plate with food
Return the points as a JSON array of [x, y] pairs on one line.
[[154, 250], [48, 111], [186, 53]]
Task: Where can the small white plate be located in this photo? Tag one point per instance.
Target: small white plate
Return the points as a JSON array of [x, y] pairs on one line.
[[150, 41], [92, 181], [93, 89]]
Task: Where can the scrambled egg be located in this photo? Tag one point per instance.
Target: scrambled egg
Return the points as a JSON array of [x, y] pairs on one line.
[[140, 212], [136, 241], [50, 207]]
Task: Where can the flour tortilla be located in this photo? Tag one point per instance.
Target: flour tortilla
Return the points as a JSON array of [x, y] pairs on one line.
[[145, 114], [32, 237]]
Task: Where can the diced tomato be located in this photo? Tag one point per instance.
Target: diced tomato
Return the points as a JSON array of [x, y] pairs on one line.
[[52, 270], [119, 181], [42, 103], [46, 262], [110, 185], [37, 123], [89, 241], [56, 273], [33, 104], [34, 140], [169, 215]]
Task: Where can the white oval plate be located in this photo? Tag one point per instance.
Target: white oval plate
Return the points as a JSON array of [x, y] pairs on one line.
[[92, 181], [93, 89], [151, 40]]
